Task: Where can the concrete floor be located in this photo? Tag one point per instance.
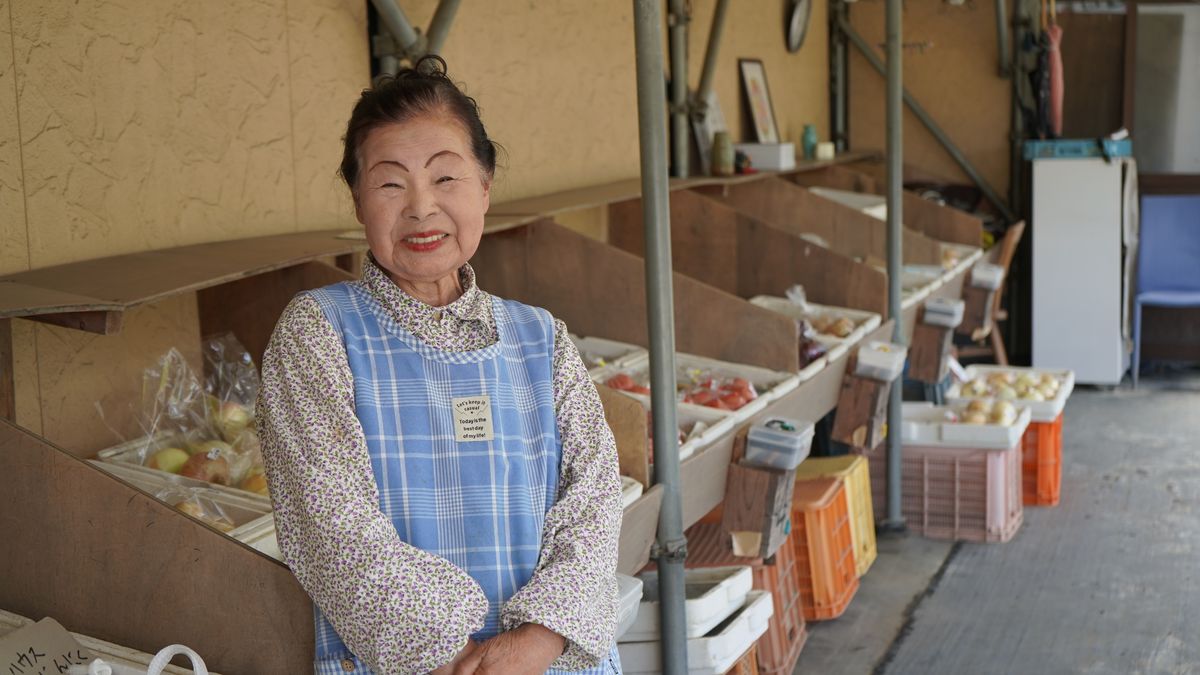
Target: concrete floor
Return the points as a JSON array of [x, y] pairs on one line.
[[1106, 582]]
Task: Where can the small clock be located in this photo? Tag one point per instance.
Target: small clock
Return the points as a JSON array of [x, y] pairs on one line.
[[796, 27]]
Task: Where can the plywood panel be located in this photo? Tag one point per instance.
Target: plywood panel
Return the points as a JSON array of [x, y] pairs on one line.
[[328, 65], [956, 79], [76, 370], [1093, 56], [112, 562], [150, 125], [14, 252]]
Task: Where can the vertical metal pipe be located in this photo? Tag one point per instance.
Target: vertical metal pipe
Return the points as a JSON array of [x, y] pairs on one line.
[[660, 315], [1002, 38], [439, 27], [389, 65], [679, 81], [397, 24], [837, 68], [711, 50], [895, 215]]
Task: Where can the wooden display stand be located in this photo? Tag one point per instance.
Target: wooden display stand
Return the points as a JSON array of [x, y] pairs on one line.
[[929, 351], [715, 243], [757, 505], [861, 409]]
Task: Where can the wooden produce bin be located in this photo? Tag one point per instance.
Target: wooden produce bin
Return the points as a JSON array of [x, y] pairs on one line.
[[109, 560], [599, 290], [944, 223], [740, 254]]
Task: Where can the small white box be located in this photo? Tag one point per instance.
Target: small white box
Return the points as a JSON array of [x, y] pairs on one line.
[[987, 275], [779, 443], [769, 156], [881, 361], [944, 312]]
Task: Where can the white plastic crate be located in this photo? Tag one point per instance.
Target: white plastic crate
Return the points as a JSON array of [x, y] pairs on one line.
[[925, 425], [779, 443], [1041, 411], [123, 658], [629, 600], [630, 491], [714, 653], [251, 514], [713, 593], [600, 353], [882, 361]]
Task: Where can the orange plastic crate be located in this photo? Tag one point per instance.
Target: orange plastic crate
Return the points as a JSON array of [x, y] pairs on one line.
[[1041, 463], [779, 649], [823, 546], [747, 665]]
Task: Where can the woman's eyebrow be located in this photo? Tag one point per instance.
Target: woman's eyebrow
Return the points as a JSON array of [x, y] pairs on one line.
[[439, 154], [386, 161]]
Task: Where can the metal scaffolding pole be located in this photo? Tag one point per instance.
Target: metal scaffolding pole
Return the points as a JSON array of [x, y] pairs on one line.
[[439, 26], [837, 73], [895, 216], [407, 38], [679, 81], [671, 547], [711, 51]]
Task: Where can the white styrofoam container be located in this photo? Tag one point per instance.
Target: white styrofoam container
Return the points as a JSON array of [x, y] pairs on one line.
[[717, 424], [599, 353], [713, 593], [1040, 411], [864, 322], [872, 205], [882, 361], [769, 156], [987, 275], [925, 425], [714, 653], [251, 514], [630, 491], [779, 443], [918, 277], [629, 600], [945, 312], [129, 660]]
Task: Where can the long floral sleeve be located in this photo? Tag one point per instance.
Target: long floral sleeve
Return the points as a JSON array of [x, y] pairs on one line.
[[399, 609], [573, 590]]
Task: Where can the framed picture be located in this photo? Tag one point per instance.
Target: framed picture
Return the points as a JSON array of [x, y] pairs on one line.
[[758, 98]]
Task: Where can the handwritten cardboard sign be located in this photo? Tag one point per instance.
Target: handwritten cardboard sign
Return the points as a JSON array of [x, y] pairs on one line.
[[42, 648]]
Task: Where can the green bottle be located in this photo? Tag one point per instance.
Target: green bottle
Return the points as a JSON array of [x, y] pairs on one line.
[[810, 140]]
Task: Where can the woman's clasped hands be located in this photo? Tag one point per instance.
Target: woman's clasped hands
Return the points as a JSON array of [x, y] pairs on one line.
[[526, 650]]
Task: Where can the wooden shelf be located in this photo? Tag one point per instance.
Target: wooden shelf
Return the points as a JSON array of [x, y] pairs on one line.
[[90, 295]]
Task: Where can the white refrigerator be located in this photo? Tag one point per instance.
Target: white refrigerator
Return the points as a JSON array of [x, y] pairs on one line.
[[1084, 235]]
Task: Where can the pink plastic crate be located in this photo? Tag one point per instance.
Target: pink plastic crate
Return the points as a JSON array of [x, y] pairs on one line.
[[961, 494]]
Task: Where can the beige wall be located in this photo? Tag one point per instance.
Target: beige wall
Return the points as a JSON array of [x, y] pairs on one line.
[[159, 124], [956, 80]]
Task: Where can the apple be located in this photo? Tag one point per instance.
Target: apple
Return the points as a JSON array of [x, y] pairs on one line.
[[232, 418], [210, 446], [170, 460], [194, 510], [255, 481], [210, 467]]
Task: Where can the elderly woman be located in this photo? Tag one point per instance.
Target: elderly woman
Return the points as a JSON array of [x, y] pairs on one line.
[[445, 484]]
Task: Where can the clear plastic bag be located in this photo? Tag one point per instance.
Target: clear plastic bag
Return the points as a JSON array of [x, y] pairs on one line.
[[195, 504]]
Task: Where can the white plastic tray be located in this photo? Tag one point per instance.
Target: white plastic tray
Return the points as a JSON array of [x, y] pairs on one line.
[[925, 425], [129, 454], [713, 593], [919, 277], [945, 312], [629, 599], [1041, 411], [878, 363], [630, 491], [253, 519], [864, 322], [124, 657], [714, 653], [872, 205], [611, 352]]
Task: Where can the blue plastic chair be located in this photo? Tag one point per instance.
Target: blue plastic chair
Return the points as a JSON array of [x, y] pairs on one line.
[[1168, 273]]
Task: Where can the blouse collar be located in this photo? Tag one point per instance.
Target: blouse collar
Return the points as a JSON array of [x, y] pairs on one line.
[[412, 314]]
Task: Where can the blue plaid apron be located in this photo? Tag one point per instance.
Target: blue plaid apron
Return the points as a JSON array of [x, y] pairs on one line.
[[479, 504]]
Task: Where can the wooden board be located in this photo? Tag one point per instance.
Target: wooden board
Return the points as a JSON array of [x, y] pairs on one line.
[[627, 418], [799, 211], [715, 243], [929, 351], [120, 282], [114, 563], [639, 526], [861, 410], [599, 290], [249, 308]]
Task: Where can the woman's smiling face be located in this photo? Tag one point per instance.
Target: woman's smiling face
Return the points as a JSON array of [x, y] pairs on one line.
[[422, 196]]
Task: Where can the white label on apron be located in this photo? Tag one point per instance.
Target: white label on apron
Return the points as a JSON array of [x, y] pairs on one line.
[[472, 418]]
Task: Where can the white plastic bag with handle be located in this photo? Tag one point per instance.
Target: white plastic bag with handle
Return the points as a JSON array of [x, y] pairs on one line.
[[157, 665]]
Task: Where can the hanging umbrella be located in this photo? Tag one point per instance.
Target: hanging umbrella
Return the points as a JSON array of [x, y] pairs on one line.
[[1054, 38]]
